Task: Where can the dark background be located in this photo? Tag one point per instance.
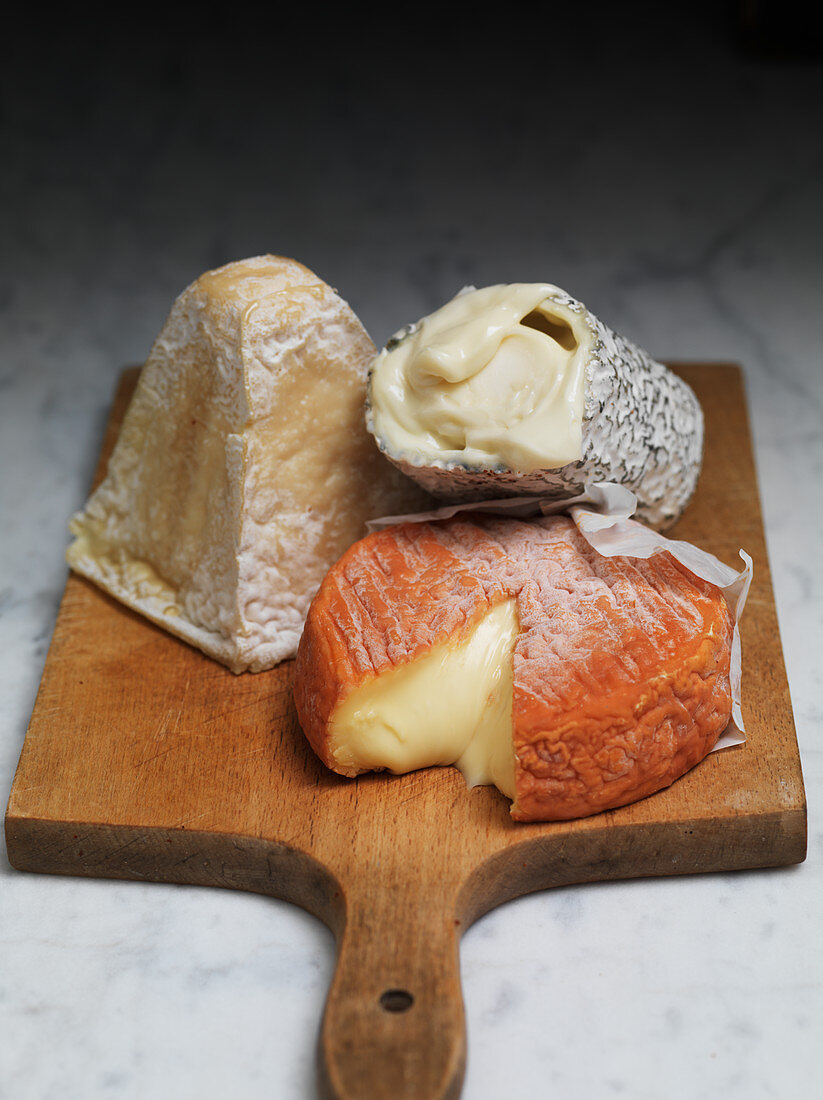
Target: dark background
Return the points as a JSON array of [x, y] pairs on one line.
[[400, 152]]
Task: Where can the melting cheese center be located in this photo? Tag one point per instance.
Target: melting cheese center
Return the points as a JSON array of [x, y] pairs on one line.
[[494, 379], [452, 706]]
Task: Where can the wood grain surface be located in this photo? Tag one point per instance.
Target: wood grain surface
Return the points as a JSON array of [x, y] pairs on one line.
[[146, 760]]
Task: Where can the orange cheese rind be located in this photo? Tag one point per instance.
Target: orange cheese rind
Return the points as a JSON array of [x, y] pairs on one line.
[[621, 667], [353, 631]]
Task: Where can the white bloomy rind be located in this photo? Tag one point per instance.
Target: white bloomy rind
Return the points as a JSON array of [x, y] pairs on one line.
[[243, 469], [637, 423]]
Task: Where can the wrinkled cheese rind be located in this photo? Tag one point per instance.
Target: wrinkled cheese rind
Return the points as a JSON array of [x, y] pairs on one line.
[[620, 670], [243, 468], [642, 427]]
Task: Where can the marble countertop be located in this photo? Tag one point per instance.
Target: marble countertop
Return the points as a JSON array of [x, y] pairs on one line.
[[677, 191]]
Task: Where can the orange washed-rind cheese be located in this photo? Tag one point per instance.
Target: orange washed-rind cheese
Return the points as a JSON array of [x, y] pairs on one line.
[[618, 668]]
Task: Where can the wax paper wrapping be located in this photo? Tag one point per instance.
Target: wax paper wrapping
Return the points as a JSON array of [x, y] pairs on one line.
[[603, 514]]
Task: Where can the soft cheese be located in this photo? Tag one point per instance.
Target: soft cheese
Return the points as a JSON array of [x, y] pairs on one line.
[[453, 705], [496, 378], [605, 678], [520, 390], [243, 468]]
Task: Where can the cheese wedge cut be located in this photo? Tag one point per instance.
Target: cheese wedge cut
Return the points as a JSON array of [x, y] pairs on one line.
[[389, 722], [243, 469], [572, 682], [518, 389]]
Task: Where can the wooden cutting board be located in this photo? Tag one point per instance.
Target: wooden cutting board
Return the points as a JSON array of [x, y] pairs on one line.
[[146, 760]]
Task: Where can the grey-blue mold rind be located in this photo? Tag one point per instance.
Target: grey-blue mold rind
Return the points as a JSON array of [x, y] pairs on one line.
[[642, 427]]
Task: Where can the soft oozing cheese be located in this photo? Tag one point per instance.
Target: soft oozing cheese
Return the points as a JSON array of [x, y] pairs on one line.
[[495, 379], [452, 706]]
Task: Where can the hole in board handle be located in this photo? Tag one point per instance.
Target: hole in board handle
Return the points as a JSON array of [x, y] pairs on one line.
[[396, 1000]]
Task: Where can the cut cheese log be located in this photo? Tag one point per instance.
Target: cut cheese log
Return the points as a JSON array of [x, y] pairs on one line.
[[573, 682], [519, 390], [243, 469]]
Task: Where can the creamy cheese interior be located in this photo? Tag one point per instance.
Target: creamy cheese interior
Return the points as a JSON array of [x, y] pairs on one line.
[[494, 379], [452, 706]]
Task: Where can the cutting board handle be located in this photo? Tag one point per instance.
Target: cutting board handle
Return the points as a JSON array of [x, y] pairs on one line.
[[394, 1026]]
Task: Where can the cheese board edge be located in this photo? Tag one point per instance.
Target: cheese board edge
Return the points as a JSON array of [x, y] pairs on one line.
[[530, 864]]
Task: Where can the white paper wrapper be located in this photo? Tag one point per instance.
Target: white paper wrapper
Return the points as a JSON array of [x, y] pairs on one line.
[[603, 516]]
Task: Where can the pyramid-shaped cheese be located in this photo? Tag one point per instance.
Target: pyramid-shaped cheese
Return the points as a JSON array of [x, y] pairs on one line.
[[243, 469]]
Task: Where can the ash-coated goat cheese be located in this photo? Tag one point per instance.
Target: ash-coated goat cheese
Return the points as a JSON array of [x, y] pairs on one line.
[[518, 389]]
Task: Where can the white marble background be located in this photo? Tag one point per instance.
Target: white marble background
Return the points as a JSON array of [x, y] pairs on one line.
[[670, 181]]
